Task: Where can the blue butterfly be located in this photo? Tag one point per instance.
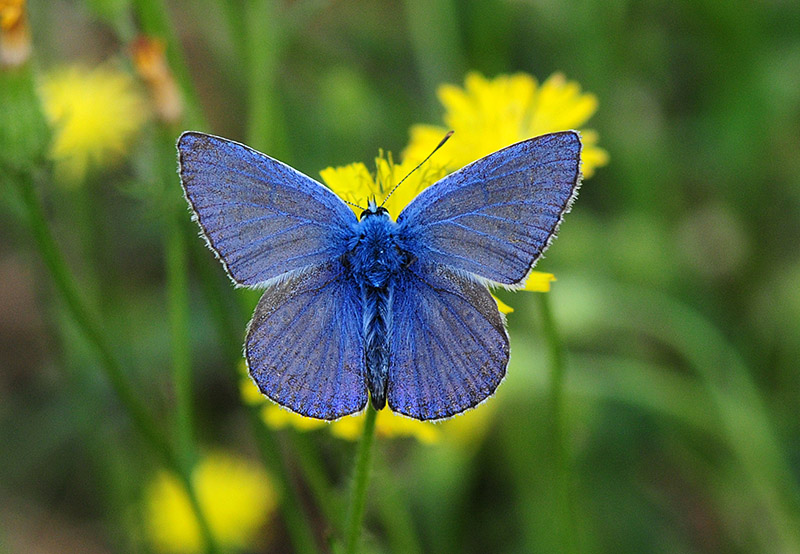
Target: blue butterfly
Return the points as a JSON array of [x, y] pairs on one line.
[[355, 305]]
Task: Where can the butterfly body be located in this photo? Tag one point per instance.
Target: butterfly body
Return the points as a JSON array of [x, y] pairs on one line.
[[375, 262], [359, 307]]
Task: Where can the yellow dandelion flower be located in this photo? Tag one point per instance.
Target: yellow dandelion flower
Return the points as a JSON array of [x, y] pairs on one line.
[[235, 494], [488, 115], [95, 114], [356, 184]]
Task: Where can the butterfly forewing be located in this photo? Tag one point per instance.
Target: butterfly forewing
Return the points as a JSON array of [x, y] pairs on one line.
[[304, 346], [496, 216], [260, 216], [449, 345]]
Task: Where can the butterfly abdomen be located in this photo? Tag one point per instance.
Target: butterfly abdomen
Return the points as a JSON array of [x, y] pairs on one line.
[[377, 303]]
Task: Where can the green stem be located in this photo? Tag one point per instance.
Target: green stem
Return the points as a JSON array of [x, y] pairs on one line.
[[264, 46], [178, 307], [433, 30], [291, 507], [84, 319], [358, 497], [177, 284], [93, 331], [567, 528]]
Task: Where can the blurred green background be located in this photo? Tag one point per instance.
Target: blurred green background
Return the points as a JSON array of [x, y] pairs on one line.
[[677, 300]]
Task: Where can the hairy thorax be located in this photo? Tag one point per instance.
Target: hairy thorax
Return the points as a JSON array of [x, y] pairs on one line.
[[376, 257]]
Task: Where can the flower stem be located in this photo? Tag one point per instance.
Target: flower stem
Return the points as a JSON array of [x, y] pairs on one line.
[[358, 496], [565, 507], [84, 319], [178, 301], [177, 283], [94, 333], [264, 45]]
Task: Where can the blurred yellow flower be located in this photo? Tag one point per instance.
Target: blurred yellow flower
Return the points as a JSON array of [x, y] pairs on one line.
[[235, 494], [95, 115], [488, 115]]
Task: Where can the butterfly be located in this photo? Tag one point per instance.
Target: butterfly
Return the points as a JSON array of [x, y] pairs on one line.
[[360, 308]]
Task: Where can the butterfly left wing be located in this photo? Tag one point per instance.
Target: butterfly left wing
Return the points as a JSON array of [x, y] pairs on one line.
[[260, 216], [495, 217], [304, 347], [449, 345]]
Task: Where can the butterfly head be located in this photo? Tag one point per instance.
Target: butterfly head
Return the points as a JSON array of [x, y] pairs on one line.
[[373, 209]]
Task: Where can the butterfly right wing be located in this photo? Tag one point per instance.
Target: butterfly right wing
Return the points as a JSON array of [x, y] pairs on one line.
[[304, 347], [260, 216], [496, 216]]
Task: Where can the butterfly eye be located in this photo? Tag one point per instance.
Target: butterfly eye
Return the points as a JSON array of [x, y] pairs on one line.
[[378, 210]]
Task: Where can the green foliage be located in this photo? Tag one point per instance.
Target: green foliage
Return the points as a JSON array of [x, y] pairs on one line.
[[23, 130]]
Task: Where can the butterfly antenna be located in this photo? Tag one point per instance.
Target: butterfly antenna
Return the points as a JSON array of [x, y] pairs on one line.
[[447, 136], [352, 204]]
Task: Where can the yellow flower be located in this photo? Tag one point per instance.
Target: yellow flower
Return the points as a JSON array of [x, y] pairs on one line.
[[235, 494], [488, 115], [355, 184], [464, 429], [95, 115]]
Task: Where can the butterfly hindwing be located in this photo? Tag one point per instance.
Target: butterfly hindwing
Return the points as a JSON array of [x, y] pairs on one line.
[[260, 216], [304, 347], [494, 217], [449, 344]]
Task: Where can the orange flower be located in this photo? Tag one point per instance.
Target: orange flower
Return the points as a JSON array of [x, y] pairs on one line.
[[15, 34], [151, 64]]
